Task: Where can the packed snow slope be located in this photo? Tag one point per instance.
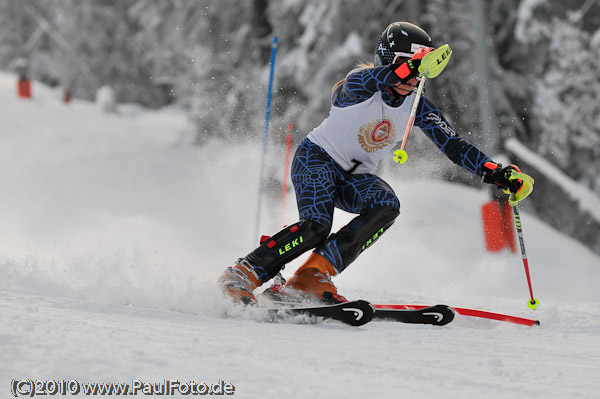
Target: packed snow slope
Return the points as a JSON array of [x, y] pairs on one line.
[[114, 227]]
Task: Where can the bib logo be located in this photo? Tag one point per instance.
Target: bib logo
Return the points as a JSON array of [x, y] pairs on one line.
[[376, 135]]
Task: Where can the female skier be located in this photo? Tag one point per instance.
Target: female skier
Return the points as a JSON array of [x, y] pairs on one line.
[[332, 168]]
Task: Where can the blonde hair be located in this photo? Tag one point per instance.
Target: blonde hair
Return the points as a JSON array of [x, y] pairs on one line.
[[362, 65]]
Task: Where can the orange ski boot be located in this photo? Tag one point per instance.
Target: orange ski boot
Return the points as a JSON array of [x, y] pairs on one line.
[[313, 280], [238, 283]]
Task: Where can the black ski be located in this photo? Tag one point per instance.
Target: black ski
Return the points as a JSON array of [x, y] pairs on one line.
[[354, 313], [438, 315]]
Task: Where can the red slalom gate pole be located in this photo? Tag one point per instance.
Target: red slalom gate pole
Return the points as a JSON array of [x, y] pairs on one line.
[[286, 170]]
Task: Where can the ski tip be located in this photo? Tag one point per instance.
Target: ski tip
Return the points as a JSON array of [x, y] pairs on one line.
[[449, 314], [360, 312]]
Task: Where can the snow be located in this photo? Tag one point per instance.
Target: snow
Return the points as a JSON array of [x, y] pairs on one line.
[[114, 229]]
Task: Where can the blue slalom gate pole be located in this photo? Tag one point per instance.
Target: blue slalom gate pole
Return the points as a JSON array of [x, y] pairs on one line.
[[265, 136]]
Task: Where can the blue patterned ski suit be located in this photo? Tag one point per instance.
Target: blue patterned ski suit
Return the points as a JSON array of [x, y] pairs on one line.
[[321, 184]]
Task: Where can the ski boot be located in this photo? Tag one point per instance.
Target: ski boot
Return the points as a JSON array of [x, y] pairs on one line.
[[239, 282], [312, 281], [276, 292]]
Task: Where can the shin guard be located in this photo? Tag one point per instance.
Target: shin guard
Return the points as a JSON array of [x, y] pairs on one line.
[[343, 247], [285, 246]]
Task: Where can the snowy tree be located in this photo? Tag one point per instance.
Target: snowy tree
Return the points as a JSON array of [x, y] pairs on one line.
[[564, 72], [566, 104], [563, 46], [212, 57]]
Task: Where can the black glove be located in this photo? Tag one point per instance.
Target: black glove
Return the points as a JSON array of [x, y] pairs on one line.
[[494, 173]]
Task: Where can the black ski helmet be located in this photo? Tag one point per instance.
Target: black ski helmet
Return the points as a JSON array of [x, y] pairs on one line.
[[400, 39]]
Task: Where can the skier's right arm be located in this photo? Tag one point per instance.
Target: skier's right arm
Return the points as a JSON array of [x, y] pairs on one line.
[[367, 81], [360, 84]]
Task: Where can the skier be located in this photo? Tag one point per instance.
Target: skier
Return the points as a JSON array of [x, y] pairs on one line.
[[332, 168]]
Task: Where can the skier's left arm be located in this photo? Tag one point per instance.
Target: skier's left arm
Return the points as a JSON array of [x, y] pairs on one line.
[[431, 121], [435, 126]]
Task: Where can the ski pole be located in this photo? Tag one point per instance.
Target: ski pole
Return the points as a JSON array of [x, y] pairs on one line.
[[534, 302], [432, 64], [400, 156]]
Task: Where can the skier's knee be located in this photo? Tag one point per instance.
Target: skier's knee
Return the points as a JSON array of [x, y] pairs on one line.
[[315, 232], [343, 247], [373, 222], [381, 215]]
